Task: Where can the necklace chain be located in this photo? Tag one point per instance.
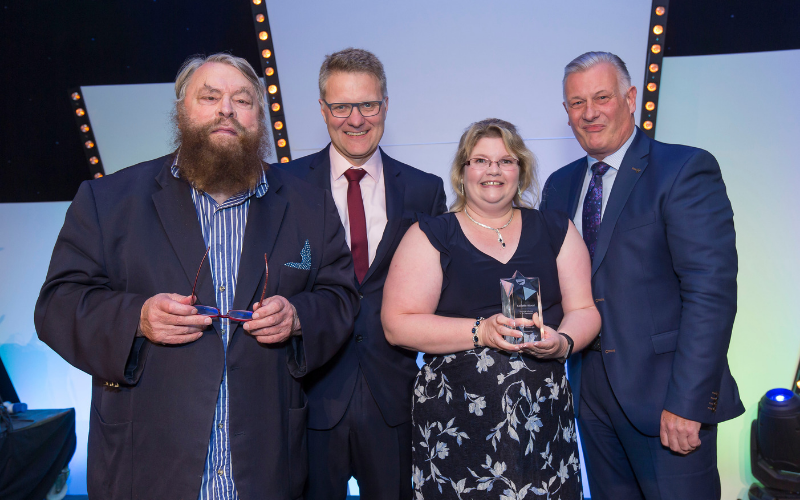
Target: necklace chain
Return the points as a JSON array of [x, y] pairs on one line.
[[495, 229]]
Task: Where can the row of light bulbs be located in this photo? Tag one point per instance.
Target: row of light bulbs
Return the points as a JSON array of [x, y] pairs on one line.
[[89, 145], [658, 29]]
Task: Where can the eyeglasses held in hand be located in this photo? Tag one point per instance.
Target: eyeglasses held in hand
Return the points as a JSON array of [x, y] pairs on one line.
[[484, 163], [233, 315], [343, 109]]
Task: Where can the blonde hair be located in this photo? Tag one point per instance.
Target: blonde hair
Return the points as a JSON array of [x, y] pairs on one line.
[[528, 168]]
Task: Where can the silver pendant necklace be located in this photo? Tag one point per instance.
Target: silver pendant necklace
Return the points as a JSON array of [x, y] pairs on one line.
[[495, 229]]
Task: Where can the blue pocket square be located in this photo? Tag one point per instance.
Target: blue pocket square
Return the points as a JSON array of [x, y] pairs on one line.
[[305, 259]]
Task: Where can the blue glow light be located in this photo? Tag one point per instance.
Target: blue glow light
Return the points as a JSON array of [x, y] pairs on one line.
[[779, 395]]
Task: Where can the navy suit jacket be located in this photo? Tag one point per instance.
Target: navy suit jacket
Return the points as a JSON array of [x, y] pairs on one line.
[[389, 370], [664, 281], [133, 234]]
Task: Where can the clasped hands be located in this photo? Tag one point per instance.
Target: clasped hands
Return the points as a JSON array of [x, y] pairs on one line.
[[492, 330], [169, 318]]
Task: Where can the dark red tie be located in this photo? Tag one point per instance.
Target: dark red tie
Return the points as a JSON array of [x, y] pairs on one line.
[[358, 222]]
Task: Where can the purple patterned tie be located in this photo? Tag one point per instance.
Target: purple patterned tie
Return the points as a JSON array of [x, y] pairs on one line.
[[592, 206]]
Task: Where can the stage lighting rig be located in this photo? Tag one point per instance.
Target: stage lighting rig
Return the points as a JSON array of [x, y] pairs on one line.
[[775, 447], [652, 72], [270, 70], [86, 133]]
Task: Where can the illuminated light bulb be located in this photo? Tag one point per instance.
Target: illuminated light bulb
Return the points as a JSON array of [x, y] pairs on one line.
[[656, 48], [94, 160], [652, 87], [80, 112], [281, 143], [84, 128], [658, 29], [263, 35], [275, 107], [260, 18], [659, 10], [75, 96], [272, 89], [798, 384], [88, 144], [653, 68], [257, 2], [98, 174], [278, 125], [650, 106], [269, 71], [647, 125], [285, 159]]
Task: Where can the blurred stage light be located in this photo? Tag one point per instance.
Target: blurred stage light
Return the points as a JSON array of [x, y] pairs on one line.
[[650, 106], [270, 71], [648, 125], [284, 159], [75, 96], [659, 11], [652, 87], [658, 29], [653, 68], [655, 49], [80, 112], [775, 447], [85, 132], [85, 128]]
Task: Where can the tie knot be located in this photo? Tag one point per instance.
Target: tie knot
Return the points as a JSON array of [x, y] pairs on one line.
[[355, 174], [600, 168]]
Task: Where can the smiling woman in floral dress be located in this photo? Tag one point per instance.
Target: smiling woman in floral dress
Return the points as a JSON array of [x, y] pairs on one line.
[[491, 419]]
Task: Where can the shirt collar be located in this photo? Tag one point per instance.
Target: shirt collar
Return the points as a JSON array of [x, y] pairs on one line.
[[260, 190], [614, 160], [339, 164]]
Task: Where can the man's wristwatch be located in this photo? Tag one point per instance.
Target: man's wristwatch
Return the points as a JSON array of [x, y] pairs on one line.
[[571, 345]]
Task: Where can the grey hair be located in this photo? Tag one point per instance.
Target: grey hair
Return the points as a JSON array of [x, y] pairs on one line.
[[351, 60], [589, 60], [193, 63]]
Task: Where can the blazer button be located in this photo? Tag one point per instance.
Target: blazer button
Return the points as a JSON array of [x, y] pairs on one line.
[[361, 296], [359, 338]]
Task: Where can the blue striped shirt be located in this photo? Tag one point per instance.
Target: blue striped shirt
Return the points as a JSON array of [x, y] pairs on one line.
[[223, 232]]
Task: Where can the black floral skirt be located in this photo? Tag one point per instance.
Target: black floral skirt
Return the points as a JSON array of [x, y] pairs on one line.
[[489, 424]]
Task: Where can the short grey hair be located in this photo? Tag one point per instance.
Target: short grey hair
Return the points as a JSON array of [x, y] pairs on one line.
[[351, 60], [589, 60], [193, 63]]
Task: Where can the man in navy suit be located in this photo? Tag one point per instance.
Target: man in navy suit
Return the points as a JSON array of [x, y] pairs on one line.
[[159, 288], [360, 402], [659, 226]]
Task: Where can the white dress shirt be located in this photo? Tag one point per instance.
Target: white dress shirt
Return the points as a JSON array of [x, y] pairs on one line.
[[373, 192], [614, 161]]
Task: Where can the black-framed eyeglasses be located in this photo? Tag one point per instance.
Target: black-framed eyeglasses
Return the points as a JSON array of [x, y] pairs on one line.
[[233, 315], [485, 163], [343, 109]]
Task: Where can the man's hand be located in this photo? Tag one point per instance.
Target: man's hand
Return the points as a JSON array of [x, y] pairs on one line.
[[169, 318], [679, 434], [274, 320]]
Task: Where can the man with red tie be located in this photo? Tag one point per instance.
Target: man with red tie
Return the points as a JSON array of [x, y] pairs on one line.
[[360, 402]]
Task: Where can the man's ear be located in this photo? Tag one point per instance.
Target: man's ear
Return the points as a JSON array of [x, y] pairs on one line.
[[631, 97], [565, 109], [322, 107]]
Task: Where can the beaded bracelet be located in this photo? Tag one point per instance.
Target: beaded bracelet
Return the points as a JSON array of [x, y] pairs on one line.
[[475, 338]]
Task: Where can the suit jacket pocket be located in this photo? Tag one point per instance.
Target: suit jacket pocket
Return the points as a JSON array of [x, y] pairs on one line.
[[665, 342], [298, 451], [638, 221], [110, 463], [292, 280]]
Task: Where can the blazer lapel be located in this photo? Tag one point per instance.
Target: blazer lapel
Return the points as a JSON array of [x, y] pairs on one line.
[[264, 221], [179, 219], [319, 170], [395, 196], [632, 167], [575, 187]]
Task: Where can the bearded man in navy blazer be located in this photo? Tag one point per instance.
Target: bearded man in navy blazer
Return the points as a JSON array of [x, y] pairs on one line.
[[360, 402], [655, 383], [196, 373]]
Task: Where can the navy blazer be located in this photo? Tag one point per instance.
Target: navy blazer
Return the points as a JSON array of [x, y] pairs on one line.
[[664, 281], [133, 234], [389, 370]]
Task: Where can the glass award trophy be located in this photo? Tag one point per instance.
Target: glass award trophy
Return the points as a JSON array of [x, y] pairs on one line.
[[522, 298]]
